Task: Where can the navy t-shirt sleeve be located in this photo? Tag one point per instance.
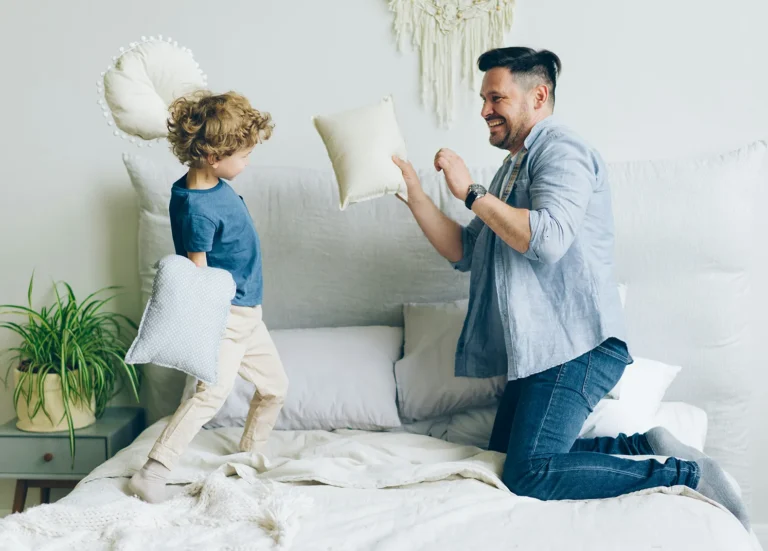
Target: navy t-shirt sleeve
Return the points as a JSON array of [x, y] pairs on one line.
[[197, 233]]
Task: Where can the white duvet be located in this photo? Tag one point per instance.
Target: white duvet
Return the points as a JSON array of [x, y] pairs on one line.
[[351, 490]]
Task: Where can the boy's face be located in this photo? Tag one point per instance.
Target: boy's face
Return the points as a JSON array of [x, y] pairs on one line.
[[231, 166]]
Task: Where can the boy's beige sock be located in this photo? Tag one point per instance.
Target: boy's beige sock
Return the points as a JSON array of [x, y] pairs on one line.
[[149, 482]]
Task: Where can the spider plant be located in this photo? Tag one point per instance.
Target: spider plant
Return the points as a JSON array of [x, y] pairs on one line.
[[79, 341]]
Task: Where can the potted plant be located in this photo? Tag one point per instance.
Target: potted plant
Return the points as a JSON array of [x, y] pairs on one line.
[[70, 361]]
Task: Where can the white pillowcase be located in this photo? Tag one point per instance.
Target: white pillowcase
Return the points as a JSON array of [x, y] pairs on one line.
[[360, 143], [644, 383], [426, 384], [338, 378], [185, 318]]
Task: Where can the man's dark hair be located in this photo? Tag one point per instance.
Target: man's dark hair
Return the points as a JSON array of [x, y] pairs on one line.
[[530, 66]]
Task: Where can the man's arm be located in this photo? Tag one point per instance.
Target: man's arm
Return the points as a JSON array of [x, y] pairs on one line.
[[199, 259], [560, 191], [443, 233]]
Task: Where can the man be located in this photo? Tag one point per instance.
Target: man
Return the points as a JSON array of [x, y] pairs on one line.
[[544, 307]]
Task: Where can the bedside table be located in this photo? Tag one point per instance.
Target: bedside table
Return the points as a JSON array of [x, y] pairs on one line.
[[42, 459]]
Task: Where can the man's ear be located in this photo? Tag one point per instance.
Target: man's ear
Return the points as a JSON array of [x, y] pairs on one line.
[[540, 96]]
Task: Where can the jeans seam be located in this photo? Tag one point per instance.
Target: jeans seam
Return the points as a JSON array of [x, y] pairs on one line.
[[613, 354], [586, 380], [546, 413]]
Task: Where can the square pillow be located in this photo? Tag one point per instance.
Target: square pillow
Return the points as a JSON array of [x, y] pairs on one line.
[[184, 319], [426, 384], [360, 143], [338, 378]]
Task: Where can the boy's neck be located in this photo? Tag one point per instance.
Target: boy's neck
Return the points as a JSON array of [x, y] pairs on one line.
[[201, 178]]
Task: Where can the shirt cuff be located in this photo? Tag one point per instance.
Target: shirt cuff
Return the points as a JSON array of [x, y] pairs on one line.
[[534, 220], [465, 263]]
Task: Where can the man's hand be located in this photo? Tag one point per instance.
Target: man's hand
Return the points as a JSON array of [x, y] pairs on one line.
[[456, 173], [412, 184]]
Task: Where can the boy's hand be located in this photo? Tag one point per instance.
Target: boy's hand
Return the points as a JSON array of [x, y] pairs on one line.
[[199, 259]]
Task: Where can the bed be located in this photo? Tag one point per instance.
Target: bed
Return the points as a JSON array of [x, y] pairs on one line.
[[402, 483]]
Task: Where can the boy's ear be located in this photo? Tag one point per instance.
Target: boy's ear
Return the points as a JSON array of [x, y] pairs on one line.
[[213, 161]]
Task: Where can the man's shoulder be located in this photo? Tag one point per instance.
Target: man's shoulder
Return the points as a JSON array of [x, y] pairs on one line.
[[551, 131]]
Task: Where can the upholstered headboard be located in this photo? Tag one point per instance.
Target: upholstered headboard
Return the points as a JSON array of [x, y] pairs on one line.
[[688, 289]]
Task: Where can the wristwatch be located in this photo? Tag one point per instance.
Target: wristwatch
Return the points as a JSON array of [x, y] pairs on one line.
[[475, 192]]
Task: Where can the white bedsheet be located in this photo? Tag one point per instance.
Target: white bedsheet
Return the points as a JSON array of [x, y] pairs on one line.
[[352, 490]]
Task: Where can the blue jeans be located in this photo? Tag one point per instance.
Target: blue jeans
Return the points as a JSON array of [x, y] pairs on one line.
[[538, 423]]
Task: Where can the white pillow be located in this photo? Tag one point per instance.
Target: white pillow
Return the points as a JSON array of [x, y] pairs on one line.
[[338, 378], [426, 384], [144, 81], [610, 418], [185, 318], [644, 383], [360, 143]]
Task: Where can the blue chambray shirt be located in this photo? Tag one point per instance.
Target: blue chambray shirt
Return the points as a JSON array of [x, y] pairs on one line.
[[530, 312]]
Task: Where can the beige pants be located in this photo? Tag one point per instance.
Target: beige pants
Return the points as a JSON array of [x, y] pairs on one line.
[[247, 349]]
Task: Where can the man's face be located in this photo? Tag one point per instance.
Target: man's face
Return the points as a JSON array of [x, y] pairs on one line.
[[507, 109]]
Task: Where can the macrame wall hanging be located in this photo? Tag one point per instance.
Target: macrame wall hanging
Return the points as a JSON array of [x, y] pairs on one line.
[[448, 33]]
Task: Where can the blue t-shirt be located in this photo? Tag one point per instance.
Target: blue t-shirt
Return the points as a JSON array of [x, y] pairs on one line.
[[217, 222]]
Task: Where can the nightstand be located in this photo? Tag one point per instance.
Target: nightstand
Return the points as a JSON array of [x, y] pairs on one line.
[[42, 459]]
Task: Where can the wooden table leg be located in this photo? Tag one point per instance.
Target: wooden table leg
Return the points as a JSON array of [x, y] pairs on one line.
[[20, 497], [45, 495]]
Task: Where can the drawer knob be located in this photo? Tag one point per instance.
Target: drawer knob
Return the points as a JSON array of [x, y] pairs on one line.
[[48, 457]]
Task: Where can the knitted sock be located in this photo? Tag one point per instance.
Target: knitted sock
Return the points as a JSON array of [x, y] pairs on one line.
[[714, 484], [149, 482], [664, 443]]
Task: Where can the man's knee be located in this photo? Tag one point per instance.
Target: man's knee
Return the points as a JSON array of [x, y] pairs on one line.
[[526, 478]]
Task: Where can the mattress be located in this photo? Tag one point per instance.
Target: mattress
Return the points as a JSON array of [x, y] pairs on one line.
[[345, 490]]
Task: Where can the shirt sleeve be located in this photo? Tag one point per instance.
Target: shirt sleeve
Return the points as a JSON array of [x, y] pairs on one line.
[[469, 235], [197, 233], [560, 191]]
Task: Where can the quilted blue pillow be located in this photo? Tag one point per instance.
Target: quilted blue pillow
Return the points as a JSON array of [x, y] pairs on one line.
[[184, 319]]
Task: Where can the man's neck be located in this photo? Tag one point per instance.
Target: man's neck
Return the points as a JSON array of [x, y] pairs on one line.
[[517, 147]]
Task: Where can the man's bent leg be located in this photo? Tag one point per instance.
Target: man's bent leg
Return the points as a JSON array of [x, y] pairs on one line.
[[552, 408]]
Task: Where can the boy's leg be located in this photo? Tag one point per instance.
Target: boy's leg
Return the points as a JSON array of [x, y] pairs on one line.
[[200, 408], [261, 366]]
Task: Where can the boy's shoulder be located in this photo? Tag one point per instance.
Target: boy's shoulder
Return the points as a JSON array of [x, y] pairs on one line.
[[210, 203]]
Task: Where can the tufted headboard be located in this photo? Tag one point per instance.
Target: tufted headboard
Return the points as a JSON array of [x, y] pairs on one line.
[[688, 287]]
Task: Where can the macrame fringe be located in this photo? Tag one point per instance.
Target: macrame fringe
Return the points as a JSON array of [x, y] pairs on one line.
[[441, 32]]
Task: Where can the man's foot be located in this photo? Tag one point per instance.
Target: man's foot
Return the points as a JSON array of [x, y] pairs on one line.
[[149, 482], [714, 484], [664, 443]]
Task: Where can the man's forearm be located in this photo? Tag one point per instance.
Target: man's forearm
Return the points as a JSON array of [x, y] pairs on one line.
[[511, 224], [443, 233]]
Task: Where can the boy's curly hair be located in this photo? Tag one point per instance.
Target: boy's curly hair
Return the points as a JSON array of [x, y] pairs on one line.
[[202, 124]]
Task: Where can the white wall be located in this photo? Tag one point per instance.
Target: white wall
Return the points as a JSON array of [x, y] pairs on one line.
[[640, 80]]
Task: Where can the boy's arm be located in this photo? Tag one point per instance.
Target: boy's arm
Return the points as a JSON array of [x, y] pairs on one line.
[[199, 259]]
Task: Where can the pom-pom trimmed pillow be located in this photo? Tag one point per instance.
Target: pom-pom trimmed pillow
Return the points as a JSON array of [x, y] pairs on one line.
[[360, 143], [145, 79], [185, 318]]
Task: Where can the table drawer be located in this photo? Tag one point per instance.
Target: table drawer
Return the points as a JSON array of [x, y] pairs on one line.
[[25, 455]]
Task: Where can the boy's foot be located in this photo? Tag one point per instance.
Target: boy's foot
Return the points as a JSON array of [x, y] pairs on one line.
[[149, 482], [714, 484]]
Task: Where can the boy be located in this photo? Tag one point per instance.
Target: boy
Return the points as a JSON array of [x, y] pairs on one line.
[[214, 135]]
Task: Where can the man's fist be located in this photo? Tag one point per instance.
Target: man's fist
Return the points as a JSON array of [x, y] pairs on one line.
[[456, 173]]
